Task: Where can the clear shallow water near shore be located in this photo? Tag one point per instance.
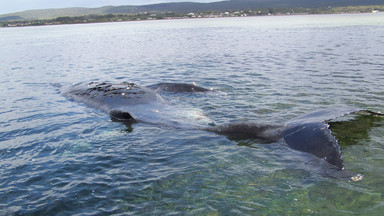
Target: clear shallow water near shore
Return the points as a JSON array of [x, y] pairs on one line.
[[58, 157]]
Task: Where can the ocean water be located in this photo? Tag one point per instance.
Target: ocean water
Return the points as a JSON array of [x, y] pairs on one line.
[[59, 157]]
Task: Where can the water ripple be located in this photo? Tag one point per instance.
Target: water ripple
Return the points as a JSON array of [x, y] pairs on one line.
[[58, 157]]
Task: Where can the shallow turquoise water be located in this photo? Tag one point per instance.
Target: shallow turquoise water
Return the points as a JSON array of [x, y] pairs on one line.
[[58, 157]]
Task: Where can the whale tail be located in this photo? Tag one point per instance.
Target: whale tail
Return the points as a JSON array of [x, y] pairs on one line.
[[309, 133], [312, 133], [315, 138]]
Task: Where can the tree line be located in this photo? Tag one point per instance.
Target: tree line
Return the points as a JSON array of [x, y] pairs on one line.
[[173, 15]]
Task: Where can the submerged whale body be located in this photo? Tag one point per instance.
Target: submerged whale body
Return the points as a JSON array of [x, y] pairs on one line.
[[129, 102]]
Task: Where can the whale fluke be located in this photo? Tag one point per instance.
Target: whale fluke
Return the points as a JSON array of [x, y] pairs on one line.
[[307, 133], [311, 133], [316, 139]]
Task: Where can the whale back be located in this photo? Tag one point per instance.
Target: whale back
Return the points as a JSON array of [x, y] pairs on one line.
[[177, 87], [128, 102], [115, 99]]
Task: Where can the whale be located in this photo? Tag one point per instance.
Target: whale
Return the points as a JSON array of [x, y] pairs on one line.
[[131, 103]]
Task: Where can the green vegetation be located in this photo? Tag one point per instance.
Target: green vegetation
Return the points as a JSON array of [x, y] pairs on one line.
[[348, 9], [94, 18]]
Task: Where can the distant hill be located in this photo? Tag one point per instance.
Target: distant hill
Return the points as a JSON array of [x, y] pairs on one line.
[[185, 7], [254, 4], [53, 13], [7, 18]]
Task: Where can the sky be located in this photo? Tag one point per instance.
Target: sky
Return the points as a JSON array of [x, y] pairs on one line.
[[10, 6]]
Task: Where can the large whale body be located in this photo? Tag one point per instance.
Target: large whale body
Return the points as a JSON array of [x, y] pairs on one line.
[[129, 102]]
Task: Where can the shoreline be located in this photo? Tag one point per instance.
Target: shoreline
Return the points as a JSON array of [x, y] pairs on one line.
[[54, 22]]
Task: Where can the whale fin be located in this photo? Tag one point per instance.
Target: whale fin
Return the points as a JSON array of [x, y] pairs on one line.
[[121, 116]]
